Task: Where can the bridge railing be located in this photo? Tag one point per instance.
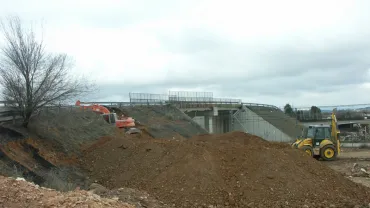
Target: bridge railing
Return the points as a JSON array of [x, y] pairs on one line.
[[5, 103], [206, 104], [261, 105], [116, 104], [185, 103]]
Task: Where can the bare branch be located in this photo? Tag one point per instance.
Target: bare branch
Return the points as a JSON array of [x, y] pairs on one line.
[[31, 77]]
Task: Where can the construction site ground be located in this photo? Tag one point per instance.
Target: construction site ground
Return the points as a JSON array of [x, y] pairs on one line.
[[174, 163], [350, 163], [348, 153]]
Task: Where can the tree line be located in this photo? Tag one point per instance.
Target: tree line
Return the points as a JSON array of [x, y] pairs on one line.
[[316, 114], [31, 77], [304, 115]]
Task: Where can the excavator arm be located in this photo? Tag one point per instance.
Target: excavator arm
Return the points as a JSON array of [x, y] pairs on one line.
[[334, 130], [95, 107]]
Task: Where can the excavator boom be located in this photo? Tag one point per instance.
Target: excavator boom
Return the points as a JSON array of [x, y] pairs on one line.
[[334, 130], [95, 107]]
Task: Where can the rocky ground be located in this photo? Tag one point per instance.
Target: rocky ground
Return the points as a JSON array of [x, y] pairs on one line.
[[137, 198], [19, 193]]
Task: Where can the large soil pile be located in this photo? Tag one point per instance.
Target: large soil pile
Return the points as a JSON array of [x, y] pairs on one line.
[[234, 170], [16, 193]]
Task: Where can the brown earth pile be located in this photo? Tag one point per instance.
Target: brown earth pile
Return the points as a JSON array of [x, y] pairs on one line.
[[17, 193], [227, 170]]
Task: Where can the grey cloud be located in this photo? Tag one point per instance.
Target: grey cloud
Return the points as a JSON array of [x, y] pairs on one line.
[[192, 41], [353, 56], [122, 91], [275, 71], [314, 81], [278, 67], [284, 71], [110, 14]]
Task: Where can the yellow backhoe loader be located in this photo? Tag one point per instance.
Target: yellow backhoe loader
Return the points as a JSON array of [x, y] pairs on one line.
[[320, 141]]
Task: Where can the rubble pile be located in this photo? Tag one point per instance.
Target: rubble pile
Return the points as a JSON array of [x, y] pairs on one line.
[[360, 170], [19, 193], [135, 197]]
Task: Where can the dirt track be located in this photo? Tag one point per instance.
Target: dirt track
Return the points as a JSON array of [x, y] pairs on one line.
[[234, 170], [354, 153]]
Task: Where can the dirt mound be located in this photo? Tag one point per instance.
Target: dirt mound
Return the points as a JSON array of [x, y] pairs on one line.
[[69, 128], [164, 121], [234, 170]]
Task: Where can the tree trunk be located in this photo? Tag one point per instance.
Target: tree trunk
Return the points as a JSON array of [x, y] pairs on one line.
[[26, 120], [25, 123]]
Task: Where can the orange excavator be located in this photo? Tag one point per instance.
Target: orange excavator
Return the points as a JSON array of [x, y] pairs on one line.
[[123, 122]]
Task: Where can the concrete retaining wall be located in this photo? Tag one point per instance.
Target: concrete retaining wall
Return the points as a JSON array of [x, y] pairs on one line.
[[254, 124], [199, 120]]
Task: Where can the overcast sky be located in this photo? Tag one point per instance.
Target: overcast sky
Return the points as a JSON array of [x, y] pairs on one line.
[[275, 52]]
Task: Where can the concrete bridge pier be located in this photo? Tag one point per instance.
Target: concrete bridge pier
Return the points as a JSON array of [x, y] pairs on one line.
[[208, 123], [214, 120], [210, 116]]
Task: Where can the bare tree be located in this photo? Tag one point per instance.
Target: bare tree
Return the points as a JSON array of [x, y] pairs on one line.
[[32, 78]]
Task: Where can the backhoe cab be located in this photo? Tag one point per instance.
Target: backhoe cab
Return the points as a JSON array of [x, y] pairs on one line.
[[320, 141]]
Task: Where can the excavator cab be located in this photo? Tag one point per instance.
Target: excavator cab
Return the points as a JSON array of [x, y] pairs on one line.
[[111, 118], [320, 141]]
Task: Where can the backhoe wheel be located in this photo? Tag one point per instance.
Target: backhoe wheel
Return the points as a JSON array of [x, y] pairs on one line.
[[328, 153], [308, 150]]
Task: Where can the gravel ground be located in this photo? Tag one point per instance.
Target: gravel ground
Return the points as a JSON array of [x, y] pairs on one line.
[[18, 193]]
